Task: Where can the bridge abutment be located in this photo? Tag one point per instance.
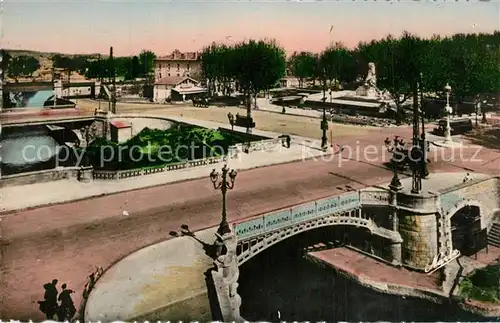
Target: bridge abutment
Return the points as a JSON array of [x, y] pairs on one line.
[[418, 228]]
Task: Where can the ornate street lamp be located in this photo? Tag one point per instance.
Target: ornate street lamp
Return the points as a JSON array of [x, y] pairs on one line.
[[396, 146], [449, 111], [223, 184], [478, 108], [324, 127], [423, 142], [324, 122]]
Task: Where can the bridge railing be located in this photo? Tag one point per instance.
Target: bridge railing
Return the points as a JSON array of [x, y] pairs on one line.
[[297, 214], [122, 174]]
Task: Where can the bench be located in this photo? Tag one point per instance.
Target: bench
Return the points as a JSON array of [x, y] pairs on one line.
[[244, 121], [458, 126]]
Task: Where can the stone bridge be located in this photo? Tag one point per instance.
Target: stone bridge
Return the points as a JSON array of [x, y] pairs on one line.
[[415, 228]]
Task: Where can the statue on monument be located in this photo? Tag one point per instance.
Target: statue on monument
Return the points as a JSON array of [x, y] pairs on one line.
[[369, 87], [371, 77]]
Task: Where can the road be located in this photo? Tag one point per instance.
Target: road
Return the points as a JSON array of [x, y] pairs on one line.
[[67, 241]]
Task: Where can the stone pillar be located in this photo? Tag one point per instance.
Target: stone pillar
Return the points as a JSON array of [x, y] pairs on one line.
[[226, 279], [395, 246], [58, 89], [419, 229], [97, 89], [85, 174], [107, 126]]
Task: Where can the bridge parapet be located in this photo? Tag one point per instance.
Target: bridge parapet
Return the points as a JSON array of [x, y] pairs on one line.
[[291, 216], [256, 234]]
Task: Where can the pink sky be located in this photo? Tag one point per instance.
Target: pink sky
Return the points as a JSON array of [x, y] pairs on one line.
[[93, 26]]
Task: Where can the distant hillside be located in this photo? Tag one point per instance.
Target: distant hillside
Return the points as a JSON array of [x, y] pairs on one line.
[[44, 73], [34, 53]]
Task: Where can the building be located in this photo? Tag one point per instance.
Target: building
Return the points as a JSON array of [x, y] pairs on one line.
[[178, 64], [289, 81], [176, 88]]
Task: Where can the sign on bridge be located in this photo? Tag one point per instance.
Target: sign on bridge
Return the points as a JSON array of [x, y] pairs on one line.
[[297, 214]]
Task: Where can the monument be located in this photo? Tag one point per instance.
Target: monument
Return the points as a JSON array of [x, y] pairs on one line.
[[369, 88]]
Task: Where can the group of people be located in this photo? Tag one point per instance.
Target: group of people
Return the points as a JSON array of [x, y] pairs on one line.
[[50, 306]]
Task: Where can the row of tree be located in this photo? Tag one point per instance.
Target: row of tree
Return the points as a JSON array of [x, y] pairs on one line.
[[254, 66], [19, 66], [129, 68], [469, 63]]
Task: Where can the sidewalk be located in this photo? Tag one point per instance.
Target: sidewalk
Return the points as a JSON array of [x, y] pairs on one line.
[[69, 190], [155, 281]]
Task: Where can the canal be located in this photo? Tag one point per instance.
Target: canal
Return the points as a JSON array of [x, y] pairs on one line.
[[281, 279], [27, 149]]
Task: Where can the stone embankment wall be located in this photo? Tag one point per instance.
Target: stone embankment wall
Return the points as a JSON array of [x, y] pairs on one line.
[[39, 176]]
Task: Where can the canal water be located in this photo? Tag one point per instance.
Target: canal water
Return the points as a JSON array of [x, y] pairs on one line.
[[30, 149], [281, 279], [29, 99]]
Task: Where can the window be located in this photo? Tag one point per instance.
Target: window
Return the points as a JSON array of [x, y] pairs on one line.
[[178, 66], [168, 66], [178, 74], [168, 74], [159, 75], [187, 74], [188, 66]]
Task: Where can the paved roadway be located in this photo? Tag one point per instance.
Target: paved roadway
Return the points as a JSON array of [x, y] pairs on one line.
[[66, 241]]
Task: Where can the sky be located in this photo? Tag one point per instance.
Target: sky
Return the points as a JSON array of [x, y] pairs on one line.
[[92, 26]]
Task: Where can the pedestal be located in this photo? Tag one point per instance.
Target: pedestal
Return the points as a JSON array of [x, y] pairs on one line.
[[226, 279], [396, 254], [448, 144], [85, 174]]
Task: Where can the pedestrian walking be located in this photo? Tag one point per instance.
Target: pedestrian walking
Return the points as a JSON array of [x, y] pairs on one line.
[[67, 308]]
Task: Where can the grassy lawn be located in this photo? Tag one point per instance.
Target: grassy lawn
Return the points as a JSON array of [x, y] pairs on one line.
[[154, 147], [483, 284]]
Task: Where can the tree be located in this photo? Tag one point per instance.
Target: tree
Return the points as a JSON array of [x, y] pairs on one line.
[[218, 67], [22, 66], [399, 65], [135, 68], [302, 66], [66, 63], [209, 66], [5, 59], [473, 65], [258, 66], [146, 59]]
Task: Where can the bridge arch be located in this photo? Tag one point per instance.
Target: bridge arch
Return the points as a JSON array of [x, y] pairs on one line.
[[465, 203], [248, 248], [465, 221]]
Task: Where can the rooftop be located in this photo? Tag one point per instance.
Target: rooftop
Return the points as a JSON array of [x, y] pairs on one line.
[[177, 55], [173, 80]]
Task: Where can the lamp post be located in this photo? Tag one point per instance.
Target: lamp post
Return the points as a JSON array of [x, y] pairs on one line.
[[478, 107], [324, 127], [448, 109], [223, 184], [483, 113], [395, 147], [423, 143]]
